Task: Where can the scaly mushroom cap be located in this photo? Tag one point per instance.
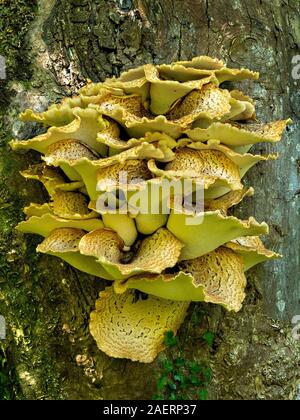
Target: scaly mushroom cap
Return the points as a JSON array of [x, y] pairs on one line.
[[56, 115], [61, 241], [52, 179], [155, 253], [124, 326], [224, 203], [217, 229], [44, 224], [234, 134], [164, 85], [208, 103], [253, 251], [84, 128], [207, 167], [71, 205], [217, 277], [64, 243], [134, 172], [68, 150]]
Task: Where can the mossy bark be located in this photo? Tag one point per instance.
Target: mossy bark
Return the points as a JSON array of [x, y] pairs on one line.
[[50, 52]]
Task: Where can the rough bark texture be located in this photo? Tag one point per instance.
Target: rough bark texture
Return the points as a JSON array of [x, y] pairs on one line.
[[50, 52]]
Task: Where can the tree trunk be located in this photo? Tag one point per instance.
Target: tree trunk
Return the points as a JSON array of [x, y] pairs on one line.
[[49, 52]]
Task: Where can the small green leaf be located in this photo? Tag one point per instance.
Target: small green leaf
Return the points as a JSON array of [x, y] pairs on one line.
[[162, 382], [158, 397], [195, 380], [170, 339], [178, 377], [194, 367], [184, 382], [207, 373], [179, 362], [172, 386], [173, 396], [209, 337], [168, 366]]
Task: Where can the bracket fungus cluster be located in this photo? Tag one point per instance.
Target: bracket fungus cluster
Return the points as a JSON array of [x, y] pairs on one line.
[[157, 125]]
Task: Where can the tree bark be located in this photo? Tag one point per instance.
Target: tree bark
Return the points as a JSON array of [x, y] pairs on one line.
[[46, 303]]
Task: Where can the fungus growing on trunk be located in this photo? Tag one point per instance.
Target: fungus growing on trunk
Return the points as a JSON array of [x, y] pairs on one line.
[[155, 124]]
